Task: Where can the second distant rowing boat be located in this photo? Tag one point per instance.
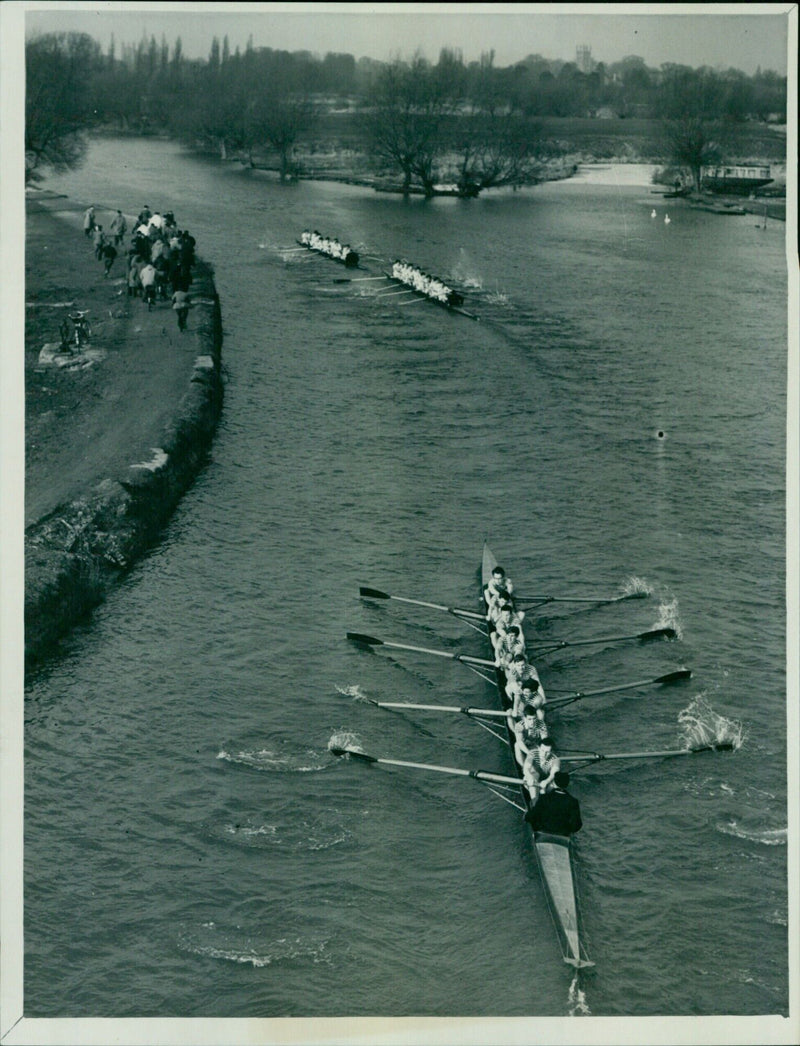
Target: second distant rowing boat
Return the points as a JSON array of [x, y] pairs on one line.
[[331, 247]]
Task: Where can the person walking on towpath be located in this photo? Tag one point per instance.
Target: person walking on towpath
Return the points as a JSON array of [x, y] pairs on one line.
[[108, 253], [88, 221], [180, 303], [99, 241], [556, 812], [118, 227], [147, 277]]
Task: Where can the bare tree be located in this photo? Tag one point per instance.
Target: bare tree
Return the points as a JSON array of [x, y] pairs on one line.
[[58, 72], [494, 149], [691, 102], [694, 143], [409, 104]]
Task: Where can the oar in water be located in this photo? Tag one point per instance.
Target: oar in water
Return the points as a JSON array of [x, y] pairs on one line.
[[358, 279], [653, 633], [491, 713], [538, 601], [375, 593], [391, 294], [596, 757], [463, 312], [579, 695], [358, 637], [412, 302], [480, 775]]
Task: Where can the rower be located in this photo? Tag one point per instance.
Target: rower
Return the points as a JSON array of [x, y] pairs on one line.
[[507, 644], [517, 672], [528, 731], [498, 590], [506, 617], [549, 763], [528, 692], [556, 812], [530, 776]]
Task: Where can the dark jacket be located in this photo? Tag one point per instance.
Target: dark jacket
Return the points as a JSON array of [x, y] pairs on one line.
[[556, 812]]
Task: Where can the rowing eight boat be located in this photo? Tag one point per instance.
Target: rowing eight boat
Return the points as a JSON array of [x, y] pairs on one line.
[[350, 260], [452, 304], [553, 852]]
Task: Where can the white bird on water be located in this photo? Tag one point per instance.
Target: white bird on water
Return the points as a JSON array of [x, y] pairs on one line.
[[667, 219], [653, 213]]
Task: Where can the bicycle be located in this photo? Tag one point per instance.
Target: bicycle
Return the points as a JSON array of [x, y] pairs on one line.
[[78, 334]]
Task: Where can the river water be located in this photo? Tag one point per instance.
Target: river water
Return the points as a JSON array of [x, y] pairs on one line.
[[616, 418]]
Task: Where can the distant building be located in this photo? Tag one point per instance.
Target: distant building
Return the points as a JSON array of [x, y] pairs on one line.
[[584, 60]]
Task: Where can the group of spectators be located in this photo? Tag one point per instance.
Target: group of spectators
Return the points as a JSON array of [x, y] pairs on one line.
[[159, 259]]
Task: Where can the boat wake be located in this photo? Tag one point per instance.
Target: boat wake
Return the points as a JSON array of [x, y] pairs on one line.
[[299, 836], [577, 1006], [266, 759], [765, 836], [212, 943], [701, 725]]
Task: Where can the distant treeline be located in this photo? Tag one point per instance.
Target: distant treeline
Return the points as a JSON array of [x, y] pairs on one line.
[[473, 122]]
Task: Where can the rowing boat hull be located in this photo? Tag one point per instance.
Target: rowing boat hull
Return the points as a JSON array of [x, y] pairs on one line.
[[553, 852], [350, 261]]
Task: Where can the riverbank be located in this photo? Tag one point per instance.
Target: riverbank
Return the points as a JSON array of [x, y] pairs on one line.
[[116, 432]]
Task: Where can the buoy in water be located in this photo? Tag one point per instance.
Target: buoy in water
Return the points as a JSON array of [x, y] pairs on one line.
[[667, 219], [661, 434], [653, 213]]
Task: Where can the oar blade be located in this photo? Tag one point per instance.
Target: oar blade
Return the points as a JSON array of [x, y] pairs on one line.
[[658, 633], [373, 593], [364, 756], [674, 677], [362, 640]]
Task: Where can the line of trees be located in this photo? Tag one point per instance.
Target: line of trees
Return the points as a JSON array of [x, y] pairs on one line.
[[472, 124]]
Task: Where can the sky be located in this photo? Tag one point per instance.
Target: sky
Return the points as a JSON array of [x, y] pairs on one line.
[[690, 34]]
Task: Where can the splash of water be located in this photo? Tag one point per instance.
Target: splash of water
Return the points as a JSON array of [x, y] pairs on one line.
[[634, 584], [701, 725], [353, 691], [344, 739], [464, 272], [498, 298], [577, 1006], [668, 617]]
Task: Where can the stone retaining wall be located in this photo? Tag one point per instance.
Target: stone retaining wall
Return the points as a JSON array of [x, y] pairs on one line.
[[75, 554]]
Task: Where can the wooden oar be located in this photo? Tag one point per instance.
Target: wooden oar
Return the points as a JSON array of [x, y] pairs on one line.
[[358, 637], [359, 279], [480, 775], [391, 294], [412, 302], [489, 712], [463, 312], [653, 633], [542, 600], [375, 593], [595, 757], [579, 695]]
